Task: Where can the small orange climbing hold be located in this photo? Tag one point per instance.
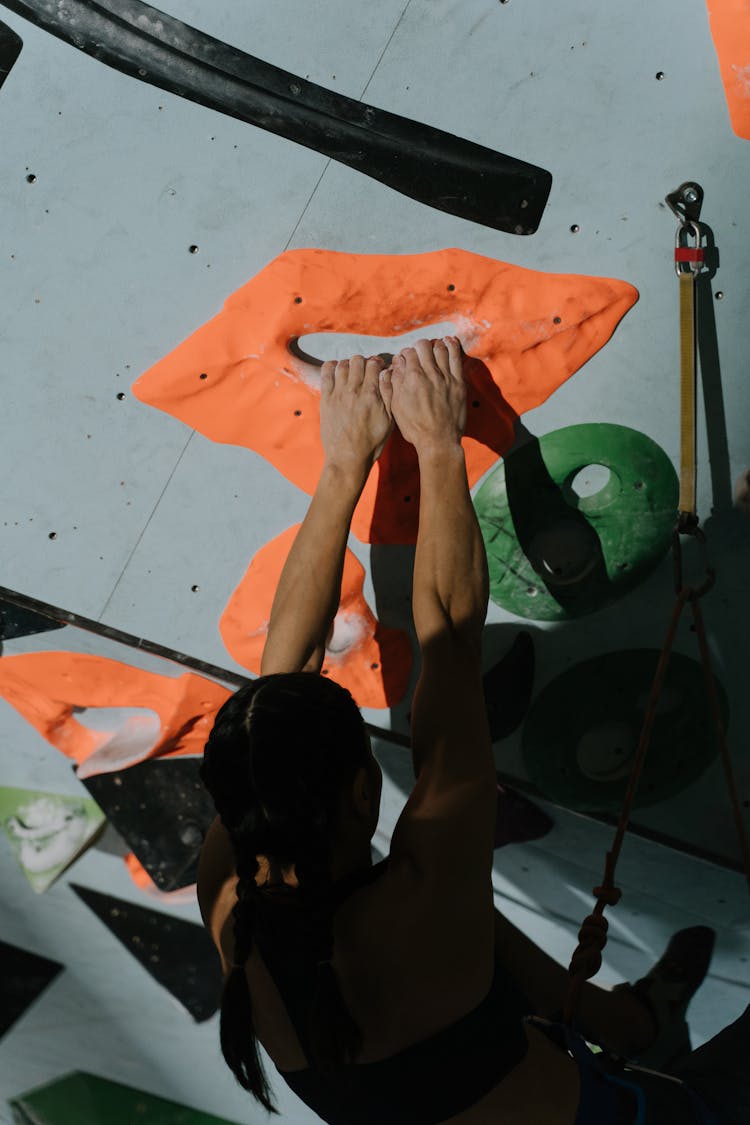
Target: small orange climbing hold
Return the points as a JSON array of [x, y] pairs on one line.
[[730, 28], [370, 660]]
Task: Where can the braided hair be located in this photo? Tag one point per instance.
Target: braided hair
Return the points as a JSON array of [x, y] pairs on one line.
[[281, 752]]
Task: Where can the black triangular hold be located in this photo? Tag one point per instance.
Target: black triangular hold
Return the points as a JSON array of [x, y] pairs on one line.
[[15, 621], [10, 49], [162, 810], [518, 819], [87, 1099], [424, 163], [23, 977], [179, 955], [508, 687]]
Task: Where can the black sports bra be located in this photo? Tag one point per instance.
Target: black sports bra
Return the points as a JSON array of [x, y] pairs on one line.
[[423, 1084]]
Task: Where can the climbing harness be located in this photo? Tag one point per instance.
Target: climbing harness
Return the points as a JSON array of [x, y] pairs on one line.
[[586, 961]]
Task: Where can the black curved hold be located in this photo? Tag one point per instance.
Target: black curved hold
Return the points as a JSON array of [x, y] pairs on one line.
[[10, 49], [426, 164], [508, 686]]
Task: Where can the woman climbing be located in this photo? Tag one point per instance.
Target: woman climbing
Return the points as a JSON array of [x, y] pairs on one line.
[[395, 992]]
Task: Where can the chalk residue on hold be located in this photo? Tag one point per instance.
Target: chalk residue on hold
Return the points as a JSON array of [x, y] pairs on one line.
[[349, 630]]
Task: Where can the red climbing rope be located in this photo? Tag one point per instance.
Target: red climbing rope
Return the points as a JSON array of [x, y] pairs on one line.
[[592, 937]]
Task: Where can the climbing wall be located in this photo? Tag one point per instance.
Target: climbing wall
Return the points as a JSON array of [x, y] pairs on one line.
[[179, 256]]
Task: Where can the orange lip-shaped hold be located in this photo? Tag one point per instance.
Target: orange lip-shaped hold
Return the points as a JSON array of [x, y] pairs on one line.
[[47, 688], [236, 380]]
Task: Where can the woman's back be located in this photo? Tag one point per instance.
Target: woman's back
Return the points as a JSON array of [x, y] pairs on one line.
[[415, 973]]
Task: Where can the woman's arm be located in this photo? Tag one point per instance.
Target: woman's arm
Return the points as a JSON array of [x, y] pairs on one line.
[[309, 590]]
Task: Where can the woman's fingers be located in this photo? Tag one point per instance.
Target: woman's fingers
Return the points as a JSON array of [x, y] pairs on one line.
[[436, 356]]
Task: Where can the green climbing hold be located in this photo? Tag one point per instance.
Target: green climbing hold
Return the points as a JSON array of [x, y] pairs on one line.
[[576, 519], [85, 1099], [581, 735]]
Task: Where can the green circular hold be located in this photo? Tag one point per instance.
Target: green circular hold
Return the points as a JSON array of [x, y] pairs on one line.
[[575, 520], [581, 735]]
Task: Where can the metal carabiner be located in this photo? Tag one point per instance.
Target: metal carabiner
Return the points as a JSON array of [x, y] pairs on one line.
[[688, 259]]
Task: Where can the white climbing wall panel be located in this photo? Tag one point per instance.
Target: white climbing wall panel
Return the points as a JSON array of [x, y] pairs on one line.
[[106, 183]]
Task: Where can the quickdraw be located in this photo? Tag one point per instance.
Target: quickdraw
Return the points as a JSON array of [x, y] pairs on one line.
[[689, 262], [686, 203]]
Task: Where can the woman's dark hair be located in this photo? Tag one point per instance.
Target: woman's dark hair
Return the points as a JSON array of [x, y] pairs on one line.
[[280, 754]]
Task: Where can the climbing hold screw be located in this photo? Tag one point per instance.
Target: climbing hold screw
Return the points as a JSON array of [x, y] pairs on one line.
[[191, 835]]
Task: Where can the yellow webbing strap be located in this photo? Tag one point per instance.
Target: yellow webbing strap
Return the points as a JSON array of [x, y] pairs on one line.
[[687, 392]]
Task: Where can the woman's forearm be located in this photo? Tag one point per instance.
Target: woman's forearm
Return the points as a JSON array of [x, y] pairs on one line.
[[309, 590]]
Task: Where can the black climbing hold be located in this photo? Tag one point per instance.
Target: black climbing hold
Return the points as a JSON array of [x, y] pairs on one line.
[[518, 819], [10, 49], [23, 977], [427, 164], [179, 955], [162, 811], [508, 687], [18, 622]]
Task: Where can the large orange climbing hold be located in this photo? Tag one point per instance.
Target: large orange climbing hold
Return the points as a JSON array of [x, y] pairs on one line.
[[236, 379], [48, 688], [730, 27], [370, 660]]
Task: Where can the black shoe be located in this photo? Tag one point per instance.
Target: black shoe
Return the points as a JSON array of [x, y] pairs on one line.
[[667, 990]]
